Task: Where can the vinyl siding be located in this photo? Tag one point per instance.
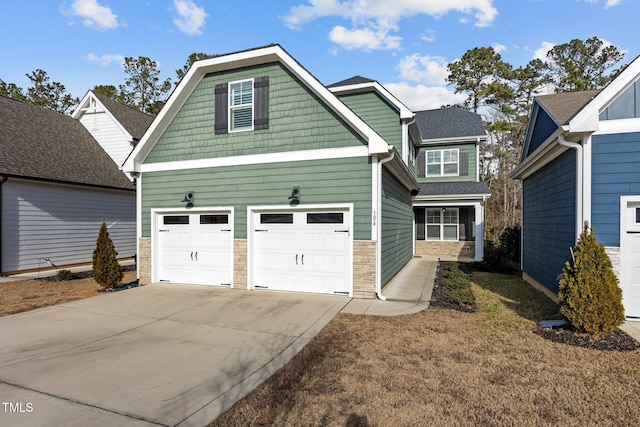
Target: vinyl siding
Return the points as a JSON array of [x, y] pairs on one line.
[[297, 121], [321, 181], [61, 222], [615, 173], [548, 222], [110, 137], [378, 114], [397, 226], [542, 129], [472, 167]]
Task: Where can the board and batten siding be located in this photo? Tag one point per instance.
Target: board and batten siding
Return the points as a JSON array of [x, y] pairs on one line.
[[470, 167], [61, 222], [378, 114], [615, 172], [397, 226], [298, 120], [108, 134], [549, 217], [346, 180]]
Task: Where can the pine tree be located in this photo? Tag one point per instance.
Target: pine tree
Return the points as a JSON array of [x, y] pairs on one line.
[[107, 271], [589, 295]]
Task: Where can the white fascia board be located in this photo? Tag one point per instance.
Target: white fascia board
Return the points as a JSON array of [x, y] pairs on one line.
[[587, 120], [274, 53], [258, 159], [405, 112], [473, 200], [457, 140], [546, 152], [79, 112], [400, 170]]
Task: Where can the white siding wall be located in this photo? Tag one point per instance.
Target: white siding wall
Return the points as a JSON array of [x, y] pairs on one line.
[[111, 137], [61, 222]]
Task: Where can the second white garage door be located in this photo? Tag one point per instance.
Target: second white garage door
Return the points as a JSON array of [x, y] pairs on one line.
[[302, 251]]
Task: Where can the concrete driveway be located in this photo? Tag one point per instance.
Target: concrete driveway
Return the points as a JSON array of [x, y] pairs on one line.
[[155, 355]]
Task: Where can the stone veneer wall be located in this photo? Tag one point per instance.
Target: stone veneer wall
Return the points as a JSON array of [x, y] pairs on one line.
[[240, 264], [364, 269], [144, 260], [446, 251]]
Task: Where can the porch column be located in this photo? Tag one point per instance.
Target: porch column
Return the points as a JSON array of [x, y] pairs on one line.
[[479, 210]]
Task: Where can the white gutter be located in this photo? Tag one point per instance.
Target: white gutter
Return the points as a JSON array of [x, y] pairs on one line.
[[579, 181], [379, 231]]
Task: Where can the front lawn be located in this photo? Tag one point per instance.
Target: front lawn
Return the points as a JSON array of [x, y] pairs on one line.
[[445, 367]]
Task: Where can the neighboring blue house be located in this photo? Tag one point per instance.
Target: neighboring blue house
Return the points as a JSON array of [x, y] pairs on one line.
[[581, 162]]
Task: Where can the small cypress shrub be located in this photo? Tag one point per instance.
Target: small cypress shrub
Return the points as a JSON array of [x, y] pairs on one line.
[[107, 271], [589, 295]]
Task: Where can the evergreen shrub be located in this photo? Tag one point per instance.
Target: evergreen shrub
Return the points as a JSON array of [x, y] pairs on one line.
[[107, 271], [589, 294]]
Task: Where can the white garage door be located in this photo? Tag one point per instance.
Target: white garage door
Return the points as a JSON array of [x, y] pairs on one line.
[[302, 251], [631, 260], [195, 248]]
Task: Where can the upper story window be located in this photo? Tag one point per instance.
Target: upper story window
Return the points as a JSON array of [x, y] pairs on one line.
[[625, 106], [241, 105], [442, 162]]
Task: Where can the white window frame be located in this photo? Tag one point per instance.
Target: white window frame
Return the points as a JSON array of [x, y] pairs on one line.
[[441, 225], [442, 163], [232, 107]]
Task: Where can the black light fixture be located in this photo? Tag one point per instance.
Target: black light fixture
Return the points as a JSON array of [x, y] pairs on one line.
[[295, 195], [188, 199]]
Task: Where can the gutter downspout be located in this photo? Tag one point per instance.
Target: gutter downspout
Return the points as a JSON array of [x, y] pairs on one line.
[[379, 225], [3, 179], [579, 181]]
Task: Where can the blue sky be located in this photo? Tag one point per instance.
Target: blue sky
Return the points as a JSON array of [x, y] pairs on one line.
[[403, 44]]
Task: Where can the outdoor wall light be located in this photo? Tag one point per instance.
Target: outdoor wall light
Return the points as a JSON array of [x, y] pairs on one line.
[[444, 210], [295, 195], [188, 199]]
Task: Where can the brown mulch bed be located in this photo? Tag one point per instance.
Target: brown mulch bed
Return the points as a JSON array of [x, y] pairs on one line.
[[438, 295]]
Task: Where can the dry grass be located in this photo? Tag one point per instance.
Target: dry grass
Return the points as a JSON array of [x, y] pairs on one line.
[[442, 367], [25, 295]]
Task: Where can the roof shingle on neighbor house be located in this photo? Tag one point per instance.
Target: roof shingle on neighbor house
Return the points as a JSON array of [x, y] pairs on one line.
[[36, 143], [449, 122], [457, 189], [355, 80], [564, 106], [134, 121]]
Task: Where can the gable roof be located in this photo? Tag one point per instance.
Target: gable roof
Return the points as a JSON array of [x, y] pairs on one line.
[[37, 143], [564, 106], [247, 58], [449, 123], [132, 121], [431, 190]]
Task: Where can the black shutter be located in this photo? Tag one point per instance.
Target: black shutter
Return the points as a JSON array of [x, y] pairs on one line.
[[261, 93], [222, 108], [463, 162], [420, 220], [421, 163]]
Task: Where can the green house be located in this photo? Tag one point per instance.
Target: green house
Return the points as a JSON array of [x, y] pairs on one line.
[[256, 175]]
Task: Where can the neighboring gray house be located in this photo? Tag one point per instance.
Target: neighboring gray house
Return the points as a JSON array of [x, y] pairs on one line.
[[57, 185], [256, 175], [580, 162]]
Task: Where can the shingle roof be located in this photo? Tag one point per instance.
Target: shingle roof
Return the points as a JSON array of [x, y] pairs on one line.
[[355, 80], [453, 189], [40, 143], [450, 122], [563, 106], [134, 121]]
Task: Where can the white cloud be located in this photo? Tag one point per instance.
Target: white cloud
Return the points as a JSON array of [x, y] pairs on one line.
[[365, 38], [421, 97], [106, 58], [424, 69], [191, 18], [93, 14], [429, 36], [541, 52], [608, 3], [375, 19], [499, 48]]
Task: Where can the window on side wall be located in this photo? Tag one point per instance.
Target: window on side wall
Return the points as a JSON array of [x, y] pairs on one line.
[[438, 163], [241, 105], [441, 224]]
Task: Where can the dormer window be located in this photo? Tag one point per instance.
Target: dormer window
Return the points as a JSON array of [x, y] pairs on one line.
[[242, 105]]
